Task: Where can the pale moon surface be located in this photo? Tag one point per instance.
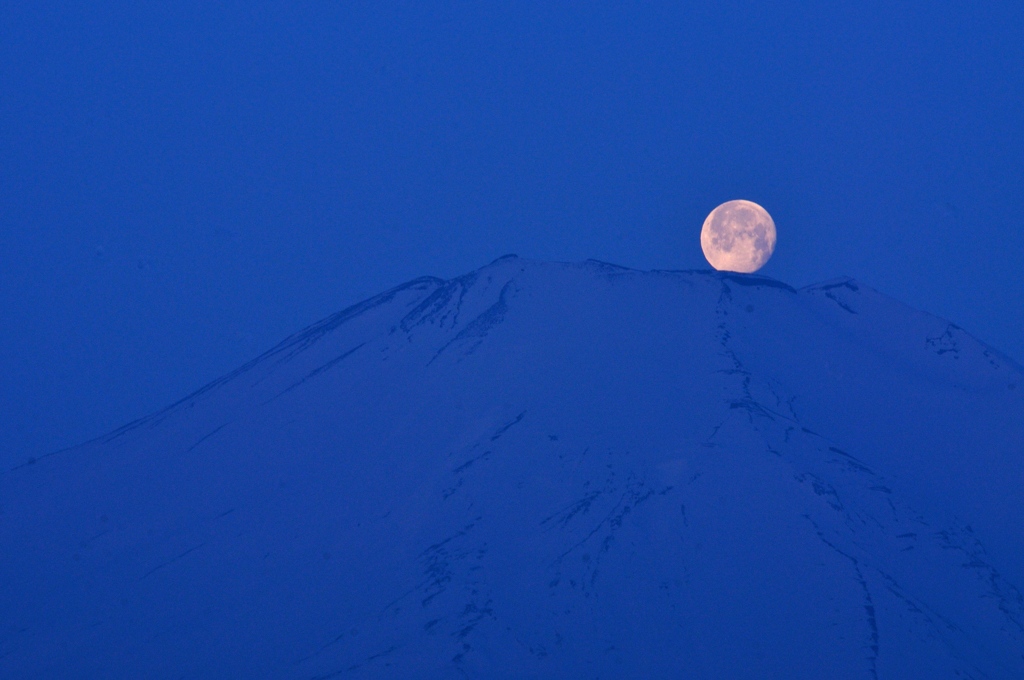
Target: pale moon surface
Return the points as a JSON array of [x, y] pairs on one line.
[[738, 236]]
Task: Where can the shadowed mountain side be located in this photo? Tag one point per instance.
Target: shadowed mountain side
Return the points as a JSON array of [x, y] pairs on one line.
[[551, 471]]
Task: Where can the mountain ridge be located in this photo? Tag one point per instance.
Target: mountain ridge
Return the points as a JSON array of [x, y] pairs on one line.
[[331, 321]]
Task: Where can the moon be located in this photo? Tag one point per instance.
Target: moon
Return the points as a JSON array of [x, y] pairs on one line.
[[738, 236]]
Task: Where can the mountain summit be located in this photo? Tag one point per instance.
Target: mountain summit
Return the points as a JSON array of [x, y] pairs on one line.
[[547, 470]]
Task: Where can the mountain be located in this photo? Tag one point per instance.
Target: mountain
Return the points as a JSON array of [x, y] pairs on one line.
[[547, 470]]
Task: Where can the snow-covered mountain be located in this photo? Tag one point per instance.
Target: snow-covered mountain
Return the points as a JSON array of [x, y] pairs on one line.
[[547, 470]]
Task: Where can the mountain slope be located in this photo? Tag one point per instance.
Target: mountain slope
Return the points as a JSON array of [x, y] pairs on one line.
[[551, 471]]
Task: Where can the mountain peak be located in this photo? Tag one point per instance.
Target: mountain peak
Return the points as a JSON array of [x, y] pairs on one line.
[[564, 470]]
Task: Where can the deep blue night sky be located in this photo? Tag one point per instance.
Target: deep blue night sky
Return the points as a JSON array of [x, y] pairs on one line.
[[183, 184]]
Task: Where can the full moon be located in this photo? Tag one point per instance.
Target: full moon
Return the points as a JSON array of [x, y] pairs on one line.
[[738, 236]]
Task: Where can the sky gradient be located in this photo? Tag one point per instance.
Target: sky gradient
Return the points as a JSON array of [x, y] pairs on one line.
[[183, 185]]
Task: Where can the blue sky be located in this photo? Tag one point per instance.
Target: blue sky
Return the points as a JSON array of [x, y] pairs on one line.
[[183, 184]]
